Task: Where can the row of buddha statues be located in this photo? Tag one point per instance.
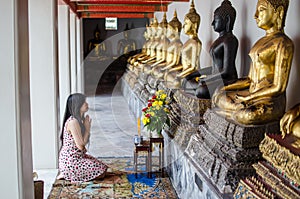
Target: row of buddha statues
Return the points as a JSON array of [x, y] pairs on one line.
[[256, 99], [97, 47]]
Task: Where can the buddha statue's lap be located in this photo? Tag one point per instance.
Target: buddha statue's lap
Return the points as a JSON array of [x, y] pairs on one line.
[[260, 98], [190, 52]]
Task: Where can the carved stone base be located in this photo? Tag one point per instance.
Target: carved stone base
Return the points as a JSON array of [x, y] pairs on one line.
[[268, 184], [190, 108], [222, 163], [282, 155], [153, 82], [186, 177], [238, 135], [130, 78]]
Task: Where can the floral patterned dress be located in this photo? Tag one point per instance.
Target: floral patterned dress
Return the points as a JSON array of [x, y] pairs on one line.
[[75, 164]]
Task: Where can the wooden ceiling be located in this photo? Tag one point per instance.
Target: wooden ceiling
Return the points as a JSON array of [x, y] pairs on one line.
[[119, 8]]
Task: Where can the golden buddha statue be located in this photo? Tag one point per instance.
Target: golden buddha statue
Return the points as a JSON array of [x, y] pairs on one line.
[[133, 58], [171, 55], [157, 33], [190, 52], [134, 61], [96, 46], [126, 45], [290, 124], [261, 97], [161, 47], [154, 41]]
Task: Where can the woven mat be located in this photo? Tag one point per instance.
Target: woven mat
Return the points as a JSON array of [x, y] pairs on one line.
[[119, 183]]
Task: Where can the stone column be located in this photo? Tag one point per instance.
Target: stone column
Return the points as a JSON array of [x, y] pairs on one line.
[[15, 142], [64, 57], [73, 59], [43, 82], [79, 53]]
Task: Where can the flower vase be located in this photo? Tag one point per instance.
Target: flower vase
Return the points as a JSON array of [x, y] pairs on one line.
[[156, 134]]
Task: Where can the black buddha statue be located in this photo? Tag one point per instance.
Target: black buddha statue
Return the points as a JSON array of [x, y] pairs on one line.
[[96, 46], [223, 53]]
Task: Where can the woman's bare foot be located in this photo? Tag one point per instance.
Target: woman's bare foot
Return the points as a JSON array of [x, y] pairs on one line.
[[60, 176]]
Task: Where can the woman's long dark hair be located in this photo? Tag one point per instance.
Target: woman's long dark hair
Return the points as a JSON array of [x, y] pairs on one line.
[[74, 103]]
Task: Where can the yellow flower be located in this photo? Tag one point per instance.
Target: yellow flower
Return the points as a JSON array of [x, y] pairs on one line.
[[146, 120], [155, 103], [163, 96], [160, 103], [159, 92], [152, 113]]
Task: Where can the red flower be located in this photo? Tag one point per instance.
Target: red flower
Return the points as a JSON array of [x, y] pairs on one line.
[[148, 115], [154, 97], [144, 109], [149, 104]]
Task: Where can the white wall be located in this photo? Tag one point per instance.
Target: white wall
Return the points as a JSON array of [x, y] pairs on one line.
[[15, 142], [43, 82], [246, 31]]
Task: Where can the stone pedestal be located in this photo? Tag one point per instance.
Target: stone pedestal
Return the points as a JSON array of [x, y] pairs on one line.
[[225, 151], [187, 179], [278, 176], [190, 108]]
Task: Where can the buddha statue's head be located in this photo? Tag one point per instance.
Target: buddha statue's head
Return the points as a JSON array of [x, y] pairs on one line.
[[226, 14], [153, 27], [146, 32], [175, 24], [162, 26], [191, 20], [270, 13], [97, 33], [126, 31]]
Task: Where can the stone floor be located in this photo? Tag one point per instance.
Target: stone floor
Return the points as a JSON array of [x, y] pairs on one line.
[[113, 128]]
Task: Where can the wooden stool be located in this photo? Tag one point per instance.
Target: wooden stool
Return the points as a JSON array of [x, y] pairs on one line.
[[160, 141], [143, 147]]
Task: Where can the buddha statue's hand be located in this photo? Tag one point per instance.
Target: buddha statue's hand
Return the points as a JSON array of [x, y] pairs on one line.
[[217, 94], [286, 122], [241, 98]]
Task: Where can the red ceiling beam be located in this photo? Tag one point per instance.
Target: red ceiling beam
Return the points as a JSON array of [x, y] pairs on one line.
[[72, 6], [117, 15], [123, 8], [123, 1]]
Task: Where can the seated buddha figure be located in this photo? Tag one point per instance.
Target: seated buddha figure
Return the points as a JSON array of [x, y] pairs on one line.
[[133, 61], [171, 55], [151, 31], [223, 53], [133, 58], [126, 45], [156, 33], [261, 97], [290, 124], [190, 52], [96, 46], [161, 48]]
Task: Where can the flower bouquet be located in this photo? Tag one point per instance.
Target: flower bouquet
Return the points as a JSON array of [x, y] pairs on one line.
[[155, 115]]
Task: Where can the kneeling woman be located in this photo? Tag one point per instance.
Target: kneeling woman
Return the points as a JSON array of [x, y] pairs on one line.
[[74, 164]]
